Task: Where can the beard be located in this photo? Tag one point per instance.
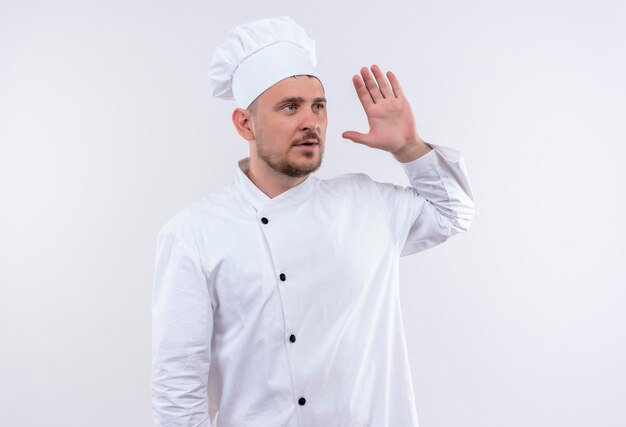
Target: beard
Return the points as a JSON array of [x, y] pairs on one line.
[[288, 167]]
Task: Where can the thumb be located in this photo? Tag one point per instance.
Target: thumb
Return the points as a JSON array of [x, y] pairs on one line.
[[355, 136]]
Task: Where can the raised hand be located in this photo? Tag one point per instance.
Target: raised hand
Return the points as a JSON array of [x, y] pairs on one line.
[[390, 118]]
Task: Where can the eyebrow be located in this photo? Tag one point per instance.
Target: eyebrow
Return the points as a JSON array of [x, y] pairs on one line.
[[298, 100]]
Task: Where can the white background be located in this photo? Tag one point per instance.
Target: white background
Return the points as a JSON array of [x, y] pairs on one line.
[[107, 128]]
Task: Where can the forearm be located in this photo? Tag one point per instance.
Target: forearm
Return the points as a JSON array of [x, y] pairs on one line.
[[413, 150], [441, 178]]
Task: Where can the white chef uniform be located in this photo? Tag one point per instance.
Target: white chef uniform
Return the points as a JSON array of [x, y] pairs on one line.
[[285, 312]]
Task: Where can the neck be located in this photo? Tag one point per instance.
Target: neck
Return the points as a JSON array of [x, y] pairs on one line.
[[269, 181]]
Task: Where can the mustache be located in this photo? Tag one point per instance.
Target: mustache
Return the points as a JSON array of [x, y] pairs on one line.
[[306, 137]]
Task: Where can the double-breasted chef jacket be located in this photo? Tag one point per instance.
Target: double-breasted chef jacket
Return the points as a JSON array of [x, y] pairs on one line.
[[285, 311]]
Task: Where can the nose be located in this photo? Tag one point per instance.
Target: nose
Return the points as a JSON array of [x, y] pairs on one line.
[[310, 121]]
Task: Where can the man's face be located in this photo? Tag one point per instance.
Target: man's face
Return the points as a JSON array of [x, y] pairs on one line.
[[289, 124]]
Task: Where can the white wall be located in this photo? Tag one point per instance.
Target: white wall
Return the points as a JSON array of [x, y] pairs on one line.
[[107, 129]]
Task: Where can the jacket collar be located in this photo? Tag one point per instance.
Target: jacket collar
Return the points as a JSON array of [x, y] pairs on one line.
[[261, 201]]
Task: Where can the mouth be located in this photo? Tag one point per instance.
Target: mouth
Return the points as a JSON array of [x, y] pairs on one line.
[[307, 143]]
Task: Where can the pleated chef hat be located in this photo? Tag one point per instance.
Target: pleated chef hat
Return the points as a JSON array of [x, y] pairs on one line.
[[257, 55]]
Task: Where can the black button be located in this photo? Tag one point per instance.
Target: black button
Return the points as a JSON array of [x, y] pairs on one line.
[[283, 277], [302, 401], [292, 338], [265, 220]]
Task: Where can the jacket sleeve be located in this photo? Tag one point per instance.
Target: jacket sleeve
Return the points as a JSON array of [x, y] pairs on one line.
[[437, 205], [182, 326]]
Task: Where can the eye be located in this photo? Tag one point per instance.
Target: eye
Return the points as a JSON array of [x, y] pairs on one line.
[[290, 107], [319, 106]]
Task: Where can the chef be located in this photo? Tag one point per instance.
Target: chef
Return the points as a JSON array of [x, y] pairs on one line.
[[276, 300]]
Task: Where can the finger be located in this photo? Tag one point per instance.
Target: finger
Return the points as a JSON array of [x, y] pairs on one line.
[[395, 85], [370, 84], [362, 92], [385, 90], [358, 137]]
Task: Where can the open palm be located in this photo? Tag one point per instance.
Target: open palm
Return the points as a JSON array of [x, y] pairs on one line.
[[389, 115]]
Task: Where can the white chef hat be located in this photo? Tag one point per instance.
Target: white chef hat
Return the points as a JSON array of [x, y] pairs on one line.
[[257, 55]]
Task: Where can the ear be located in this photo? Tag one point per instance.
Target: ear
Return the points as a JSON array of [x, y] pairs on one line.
[[243, 123]]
